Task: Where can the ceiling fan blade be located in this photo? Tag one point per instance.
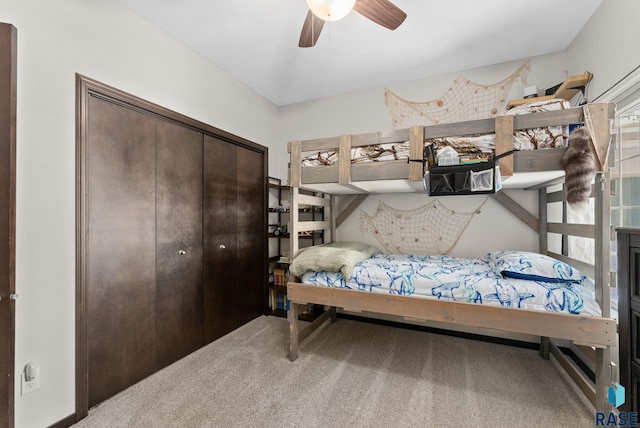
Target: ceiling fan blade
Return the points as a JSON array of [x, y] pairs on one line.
[[382, 12], [310, 30]]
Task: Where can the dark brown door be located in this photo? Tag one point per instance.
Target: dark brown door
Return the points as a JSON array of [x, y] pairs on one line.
[[179, 242], [8, 49], [144, 276], [121, 248], [251, 220], [151, 289], [234, 224], [221, 293], [629, 315]]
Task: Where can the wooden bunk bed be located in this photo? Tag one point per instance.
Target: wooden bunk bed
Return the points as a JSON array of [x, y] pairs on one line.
[[535, 170]]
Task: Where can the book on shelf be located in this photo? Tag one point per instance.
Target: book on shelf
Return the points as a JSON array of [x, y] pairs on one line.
[[278, 277], [278, 300]]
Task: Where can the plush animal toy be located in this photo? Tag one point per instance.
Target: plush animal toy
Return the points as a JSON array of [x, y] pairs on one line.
[[579, 166]]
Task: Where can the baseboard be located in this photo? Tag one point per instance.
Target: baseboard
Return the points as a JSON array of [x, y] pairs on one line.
[[65, 423]]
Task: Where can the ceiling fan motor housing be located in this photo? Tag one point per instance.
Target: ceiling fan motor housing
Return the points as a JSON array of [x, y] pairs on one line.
[[331, 10]]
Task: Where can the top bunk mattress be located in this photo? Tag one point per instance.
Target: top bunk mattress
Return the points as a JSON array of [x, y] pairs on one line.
[[525, 139]]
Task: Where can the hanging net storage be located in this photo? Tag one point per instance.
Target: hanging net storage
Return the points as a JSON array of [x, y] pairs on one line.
[[464, 100], [430, 229]]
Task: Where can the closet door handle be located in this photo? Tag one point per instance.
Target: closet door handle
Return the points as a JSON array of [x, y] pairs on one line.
[[222, 246], [182, 252]]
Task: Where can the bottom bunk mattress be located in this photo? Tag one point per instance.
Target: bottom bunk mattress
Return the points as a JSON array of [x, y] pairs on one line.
[[504, 278]]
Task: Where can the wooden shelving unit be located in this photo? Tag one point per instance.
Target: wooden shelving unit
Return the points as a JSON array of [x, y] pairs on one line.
[[278, 258], [567, 90], [277, 219]]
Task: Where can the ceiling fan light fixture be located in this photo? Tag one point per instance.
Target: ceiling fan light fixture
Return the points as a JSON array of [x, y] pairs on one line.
[[330, 10]]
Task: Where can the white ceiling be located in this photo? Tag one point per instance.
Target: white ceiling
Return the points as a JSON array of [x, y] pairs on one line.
[[256, 41]]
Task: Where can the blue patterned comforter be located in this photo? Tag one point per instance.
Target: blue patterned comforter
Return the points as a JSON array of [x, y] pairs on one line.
[[458, 279]]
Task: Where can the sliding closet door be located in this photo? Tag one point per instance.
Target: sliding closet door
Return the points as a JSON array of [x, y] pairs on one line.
[[179, 327], [234, 224], [121, 248], [221, 266], [144, 278], [251, 220]]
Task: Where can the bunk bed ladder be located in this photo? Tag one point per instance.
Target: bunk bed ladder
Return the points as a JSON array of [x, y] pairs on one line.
[[327, 225], [599, 231]]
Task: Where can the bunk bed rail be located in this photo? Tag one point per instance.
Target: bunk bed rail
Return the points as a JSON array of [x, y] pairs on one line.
[[350, 175]]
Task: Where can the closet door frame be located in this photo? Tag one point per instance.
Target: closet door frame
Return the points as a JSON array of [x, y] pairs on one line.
[[8, 94], [86, 88]]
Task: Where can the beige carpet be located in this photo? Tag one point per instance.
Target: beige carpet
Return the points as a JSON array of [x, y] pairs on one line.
[[351, 374]]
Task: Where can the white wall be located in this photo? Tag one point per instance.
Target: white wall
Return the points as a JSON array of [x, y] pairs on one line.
[[106, 41], [606, 46]]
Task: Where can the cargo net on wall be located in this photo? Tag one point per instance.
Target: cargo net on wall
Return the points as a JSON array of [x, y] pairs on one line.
[[465, 100], [430, 229]]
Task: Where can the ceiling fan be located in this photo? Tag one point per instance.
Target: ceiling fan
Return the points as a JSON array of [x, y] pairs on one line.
[[381, 12]]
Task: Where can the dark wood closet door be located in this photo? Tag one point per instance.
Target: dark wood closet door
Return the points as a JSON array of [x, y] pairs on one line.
[[629, 315], [251, 220], [221, 292], [121, 253], [234, 231], [8, 90], [168, 226], [179, 327]]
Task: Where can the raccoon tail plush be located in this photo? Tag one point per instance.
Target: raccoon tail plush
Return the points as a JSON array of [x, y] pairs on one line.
[[578, 163]]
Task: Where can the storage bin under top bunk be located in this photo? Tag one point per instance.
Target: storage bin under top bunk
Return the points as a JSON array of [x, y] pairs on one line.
[[472, 179]]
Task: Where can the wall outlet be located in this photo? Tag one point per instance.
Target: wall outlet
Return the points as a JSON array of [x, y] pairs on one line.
[[32, 385]]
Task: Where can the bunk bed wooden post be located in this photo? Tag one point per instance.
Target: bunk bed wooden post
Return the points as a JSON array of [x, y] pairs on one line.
[[344, 162], [543, 249], [295, 163], [542, 221], [292, 317], [416, 151], [603, 378], [603, 241], [504, 143], [332, 217], [597, 117], [294, 245], [603, 293]]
